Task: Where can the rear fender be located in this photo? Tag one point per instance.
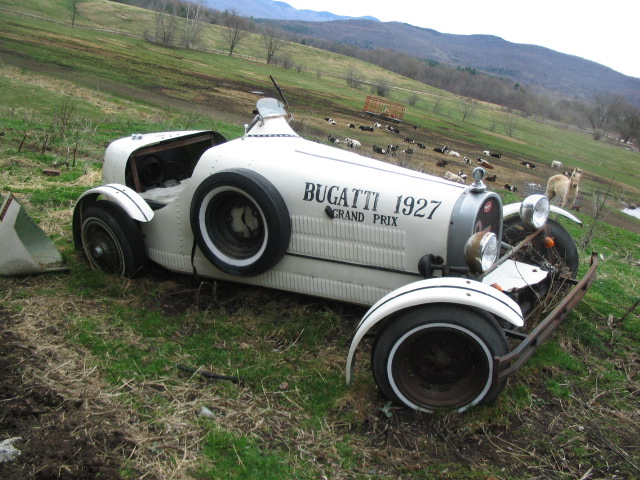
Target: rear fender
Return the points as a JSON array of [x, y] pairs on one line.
[[452, 290], [128, 199], [514, 209]]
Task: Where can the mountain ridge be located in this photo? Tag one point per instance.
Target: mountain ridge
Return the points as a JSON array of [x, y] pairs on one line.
[[526, 64], [276, 10]]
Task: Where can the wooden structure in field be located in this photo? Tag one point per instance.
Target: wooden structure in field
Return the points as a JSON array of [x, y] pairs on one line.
[[383, 108]]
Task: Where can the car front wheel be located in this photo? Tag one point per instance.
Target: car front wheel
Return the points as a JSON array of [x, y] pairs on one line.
[[438, 357]]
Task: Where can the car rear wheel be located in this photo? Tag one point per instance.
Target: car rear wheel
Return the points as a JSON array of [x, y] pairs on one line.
[[112, 241], [438, 357], [240, 222]]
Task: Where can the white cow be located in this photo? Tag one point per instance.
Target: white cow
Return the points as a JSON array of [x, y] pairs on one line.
[[453, 177]]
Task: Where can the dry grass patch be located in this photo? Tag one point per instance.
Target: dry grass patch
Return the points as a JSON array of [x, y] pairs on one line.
[[60, 87]]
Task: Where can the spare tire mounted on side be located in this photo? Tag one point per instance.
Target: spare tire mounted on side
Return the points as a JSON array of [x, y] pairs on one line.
[[240, 222]]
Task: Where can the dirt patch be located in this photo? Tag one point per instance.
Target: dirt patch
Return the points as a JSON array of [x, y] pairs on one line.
[[60, 436], [73, 426]]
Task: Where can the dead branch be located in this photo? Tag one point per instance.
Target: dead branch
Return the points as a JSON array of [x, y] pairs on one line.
[[210, 375], [630, 310]]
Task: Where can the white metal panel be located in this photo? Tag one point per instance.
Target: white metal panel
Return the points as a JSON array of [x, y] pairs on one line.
[[128, 199], [512, 276], [348, 242], [408, 211]]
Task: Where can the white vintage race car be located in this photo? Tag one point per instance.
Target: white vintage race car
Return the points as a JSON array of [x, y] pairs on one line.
[[450, 273]]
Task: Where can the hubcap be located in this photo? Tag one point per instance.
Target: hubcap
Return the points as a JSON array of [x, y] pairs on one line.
[[440, 368]]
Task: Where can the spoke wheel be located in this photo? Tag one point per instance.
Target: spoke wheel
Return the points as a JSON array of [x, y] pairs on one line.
[[111, 240]]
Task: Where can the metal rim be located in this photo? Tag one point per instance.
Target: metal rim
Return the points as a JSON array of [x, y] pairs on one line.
[[235, 225], [440, 366], [102, 248]]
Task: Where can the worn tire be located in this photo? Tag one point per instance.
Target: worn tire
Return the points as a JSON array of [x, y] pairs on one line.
[[438, 357], [240, 222], [112, 241]]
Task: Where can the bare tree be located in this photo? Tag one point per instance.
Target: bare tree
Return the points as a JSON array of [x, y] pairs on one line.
[[467, 110], [598, 203], [272, 40], [286, 61], [628, 123], [236, 29], [196, 13], [380, 87], [74, 11], [510, 125], [166, 21], [606, 106], [353, 77], [437, 105]]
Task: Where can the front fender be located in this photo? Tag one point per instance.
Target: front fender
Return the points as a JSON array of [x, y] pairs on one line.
[[514, 209], [452, 290], [129, 200]]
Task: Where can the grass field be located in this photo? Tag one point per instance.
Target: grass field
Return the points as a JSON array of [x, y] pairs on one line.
[[213, 83], [116, 346]]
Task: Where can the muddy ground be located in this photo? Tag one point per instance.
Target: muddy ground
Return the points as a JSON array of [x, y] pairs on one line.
[[72, 425], [59, 435]]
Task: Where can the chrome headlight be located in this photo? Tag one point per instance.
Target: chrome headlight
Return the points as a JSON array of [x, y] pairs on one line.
[[534, 210], [481, 251]]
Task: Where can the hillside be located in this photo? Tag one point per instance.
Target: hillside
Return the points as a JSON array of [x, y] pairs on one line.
[[530, 65], [208, 80], [110, 378]]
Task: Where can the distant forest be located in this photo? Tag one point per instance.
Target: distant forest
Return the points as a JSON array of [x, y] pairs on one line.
[[606, 113]]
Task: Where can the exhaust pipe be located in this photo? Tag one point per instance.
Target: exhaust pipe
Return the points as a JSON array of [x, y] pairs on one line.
[[24, 248]]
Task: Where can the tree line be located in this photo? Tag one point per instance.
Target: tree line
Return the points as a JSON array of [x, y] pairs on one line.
[[606, 113]]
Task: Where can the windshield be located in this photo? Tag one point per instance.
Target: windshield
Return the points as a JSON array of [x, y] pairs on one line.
[[271, 107]]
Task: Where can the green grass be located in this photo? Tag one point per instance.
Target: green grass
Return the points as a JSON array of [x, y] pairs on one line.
[[234, 457], [192, 75], [292, 415]]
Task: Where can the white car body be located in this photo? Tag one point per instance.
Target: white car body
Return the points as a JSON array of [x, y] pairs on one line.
[[369, 230], [346, 227]]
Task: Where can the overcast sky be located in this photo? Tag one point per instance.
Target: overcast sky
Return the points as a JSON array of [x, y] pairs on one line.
[[607, 32]]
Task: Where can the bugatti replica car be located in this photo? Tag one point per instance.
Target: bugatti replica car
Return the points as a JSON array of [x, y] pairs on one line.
[[461, 288]]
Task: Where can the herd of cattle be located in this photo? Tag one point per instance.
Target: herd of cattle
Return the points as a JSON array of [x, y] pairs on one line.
[[564, 186]]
